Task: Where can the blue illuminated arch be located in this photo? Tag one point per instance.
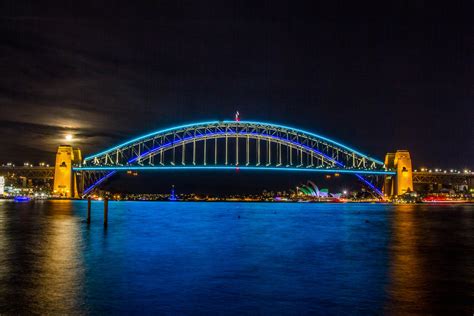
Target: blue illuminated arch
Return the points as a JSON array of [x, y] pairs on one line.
[[197, 124], [130, 155]]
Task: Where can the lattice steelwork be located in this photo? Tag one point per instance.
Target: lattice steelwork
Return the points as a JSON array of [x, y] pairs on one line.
[[231, 144], [241, 143], [442, 178], [33, 172]]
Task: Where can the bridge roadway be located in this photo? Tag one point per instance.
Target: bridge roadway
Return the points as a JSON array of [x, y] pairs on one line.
[[419, 177]]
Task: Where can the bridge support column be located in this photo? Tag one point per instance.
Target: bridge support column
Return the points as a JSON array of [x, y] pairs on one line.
[[65, 183], [402, 182]]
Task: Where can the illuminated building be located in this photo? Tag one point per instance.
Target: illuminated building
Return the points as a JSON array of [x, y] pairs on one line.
[[2, 185], [311, 190]]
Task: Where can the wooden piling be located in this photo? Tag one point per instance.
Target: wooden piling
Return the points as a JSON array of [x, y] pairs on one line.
[[89, 210], [106, 211]]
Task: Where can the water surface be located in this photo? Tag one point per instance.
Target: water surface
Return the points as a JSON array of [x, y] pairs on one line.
[[236, 258]]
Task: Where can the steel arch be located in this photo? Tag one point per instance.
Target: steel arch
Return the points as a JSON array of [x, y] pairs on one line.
[[315, 152], [134, 149]]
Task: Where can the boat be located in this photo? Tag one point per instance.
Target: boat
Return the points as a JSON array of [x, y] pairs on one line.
[[21, 198]]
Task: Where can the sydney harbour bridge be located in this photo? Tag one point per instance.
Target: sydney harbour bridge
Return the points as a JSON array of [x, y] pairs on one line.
[[230, 145]]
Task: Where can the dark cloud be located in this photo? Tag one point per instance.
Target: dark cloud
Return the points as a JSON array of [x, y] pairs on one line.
[[378, 78]]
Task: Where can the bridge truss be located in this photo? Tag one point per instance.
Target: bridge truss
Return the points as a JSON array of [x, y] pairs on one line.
[[230, 145], [33, 172], [451, 178]]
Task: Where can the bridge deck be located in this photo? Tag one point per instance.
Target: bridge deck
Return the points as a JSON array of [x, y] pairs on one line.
[[260, 168]]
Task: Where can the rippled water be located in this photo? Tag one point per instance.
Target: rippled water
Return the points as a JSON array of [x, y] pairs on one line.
[[240, 258]]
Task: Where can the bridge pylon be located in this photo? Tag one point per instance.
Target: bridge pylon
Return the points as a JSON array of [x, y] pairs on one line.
[[402, 182], [65, 181]]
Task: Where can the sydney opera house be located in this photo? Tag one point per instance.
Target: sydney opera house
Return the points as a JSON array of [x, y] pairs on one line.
[[310, 189]]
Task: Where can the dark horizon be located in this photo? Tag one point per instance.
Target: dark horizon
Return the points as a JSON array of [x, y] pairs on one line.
[[377, 78]]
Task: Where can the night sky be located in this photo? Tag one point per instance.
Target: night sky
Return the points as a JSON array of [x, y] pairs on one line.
[[396, 75]]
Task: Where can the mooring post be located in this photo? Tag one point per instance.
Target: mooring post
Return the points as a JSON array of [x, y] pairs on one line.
[[106, 211], [89, 210]]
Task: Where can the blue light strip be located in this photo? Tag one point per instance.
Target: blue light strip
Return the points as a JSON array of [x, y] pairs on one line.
[[150, 168], [232, 122], [370, 184], [86, 191]]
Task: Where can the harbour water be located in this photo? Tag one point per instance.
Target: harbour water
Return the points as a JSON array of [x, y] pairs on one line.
[[236, 258]]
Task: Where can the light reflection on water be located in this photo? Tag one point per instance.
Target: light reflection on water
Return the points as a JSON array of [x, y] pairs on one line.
[[41, 258], [236, 258], [432, 260]]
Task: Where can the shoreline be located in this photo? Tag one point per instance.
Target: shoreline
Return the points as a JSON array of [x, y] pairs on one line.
[[257, 201]]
